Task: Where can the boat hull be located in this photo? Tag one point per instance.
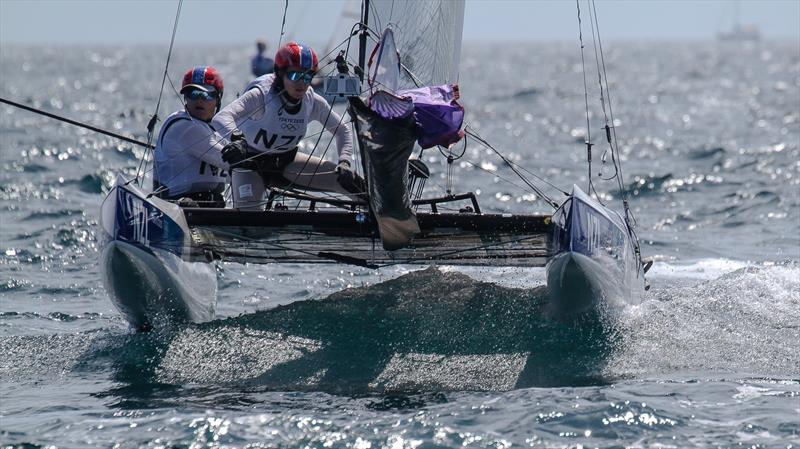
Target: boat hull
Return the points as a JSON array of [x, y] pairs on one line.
[[593, 258], [145, 264], [151, 289]]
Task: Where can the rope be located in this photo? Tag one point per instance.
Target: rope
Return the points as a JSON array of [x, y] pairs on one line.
[[589, 143], [615, 145], [611, 133], [283, 23], [513, 168], [152, 124], [75, 123]]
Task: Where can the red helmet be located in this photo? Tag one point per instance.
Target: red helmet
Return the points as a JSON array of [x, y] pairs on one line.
[[294, 54], [205, 78]]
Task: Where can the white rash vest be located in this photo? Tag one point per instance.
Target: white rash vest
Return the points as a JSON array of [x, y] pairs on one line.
[[188, 156], [259, 114]]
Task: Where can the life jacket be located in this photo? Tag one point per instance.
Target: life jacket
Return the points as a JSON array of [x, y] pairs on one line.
[[176, 169], [272, 129]]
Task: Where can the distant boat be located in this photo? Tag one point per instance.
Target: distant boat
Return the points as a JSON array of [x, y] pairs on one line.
[[739, 32]]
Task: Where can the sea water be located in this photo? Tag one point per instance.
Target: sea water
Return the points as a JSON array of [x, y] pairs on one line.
[[339, 356]]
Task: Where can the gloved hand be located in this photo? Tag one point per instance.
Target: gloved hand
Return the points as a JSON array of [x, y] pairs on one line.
[[235, 152], [348, 179]]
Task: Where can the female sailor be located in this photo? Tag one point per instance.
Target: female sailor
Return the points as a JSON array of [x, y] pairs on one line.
[[273, 117], [188, 153]]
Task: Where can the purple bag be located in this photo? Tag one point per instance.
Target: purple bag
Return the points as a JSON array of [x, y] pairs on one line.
[[437, 114]]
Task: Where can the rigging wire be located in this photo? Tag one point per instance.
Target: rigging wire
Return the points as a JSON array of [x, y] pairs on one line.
[[513, 168], [603, 93], [611, 134], [494, 173], [75, 123], [314, 149], [248, 115], [449, 154], [589, 143], [450, 157], [283, 23], [151, 125], [300, 173], [315, 146]]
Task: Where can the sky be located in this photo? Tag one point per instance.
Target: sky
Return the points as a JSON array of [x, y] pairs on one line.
[[228, 22]]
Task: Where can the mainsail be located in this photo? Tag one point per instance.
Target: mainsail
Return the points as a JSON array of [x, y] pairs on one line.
[[427, 34]]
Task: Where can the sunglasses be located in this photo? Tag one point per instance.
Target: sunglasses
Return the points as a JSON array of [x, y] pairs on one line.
[[201, 95], [295, 75]]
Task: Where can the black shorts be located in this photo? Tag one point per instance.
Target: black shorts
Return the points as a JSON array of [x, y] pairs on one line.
[[204, 199], [271, 166]]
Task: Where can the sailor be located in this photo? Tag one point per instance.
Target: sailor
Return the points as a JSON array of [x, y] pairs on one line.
[[260, 64], [273, 117], [188, 153]]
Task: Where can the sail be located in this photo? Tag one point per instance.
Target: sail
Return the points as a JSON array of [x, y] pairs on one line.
[[386, 145], [401, 106], [428, 37]]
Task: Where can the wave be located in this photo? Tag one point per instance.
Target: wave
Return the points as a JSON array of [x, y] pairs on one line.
[[46, 215], [740, 318], [525, 93], [33, 167], [91, 183], [434, 330], [52, 316], [704, 269], [706, 153], [427, 330], [424, 331], [24, 256], [15, 284], [648, 184]]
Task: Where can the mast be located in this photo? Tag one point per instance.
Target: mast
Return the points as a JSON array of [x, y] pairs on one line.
[[359, 70], [362, 40]]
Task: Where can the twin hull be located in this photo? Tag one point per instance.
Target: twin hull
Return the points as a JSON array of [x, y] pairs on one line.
[[154, 271]]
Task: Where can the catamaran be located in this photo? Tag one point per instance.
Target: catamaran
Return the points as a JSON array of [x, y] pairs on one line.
[[159, 258]]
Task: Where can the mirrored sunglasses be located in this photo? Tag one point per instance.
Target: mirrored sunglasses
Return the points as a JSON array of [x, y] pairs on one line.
[[295, 75], [201, 95]]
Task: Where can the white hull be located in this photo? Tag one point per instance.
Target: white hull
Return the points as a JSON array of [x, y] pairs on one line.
[[577, 283], [143, 263], [152, 290], [594, 260]]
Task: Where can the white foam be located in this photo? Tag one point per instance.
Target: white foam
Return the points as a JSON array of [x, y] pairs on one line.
[[737, 317], [509, 277], [700, 269]]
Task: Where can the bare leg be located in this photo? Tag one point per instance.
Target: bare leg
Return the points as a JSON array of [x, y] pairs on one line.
[[314, 173]]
